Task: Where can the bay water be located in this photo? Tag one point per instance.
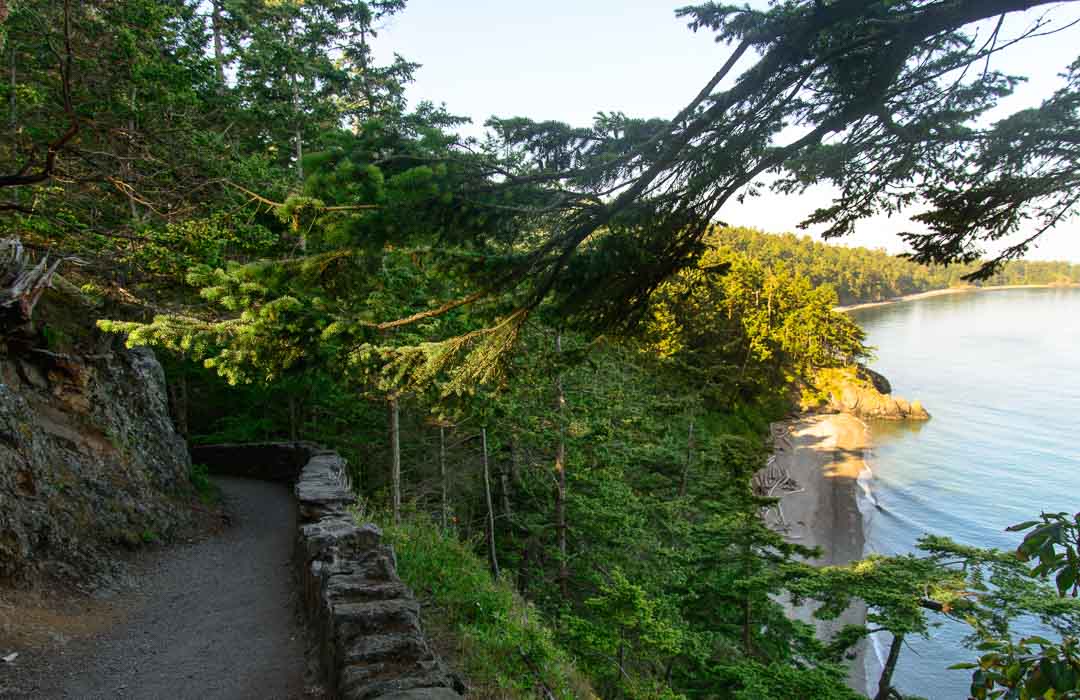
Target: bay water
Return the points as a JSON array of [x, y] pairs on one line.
[[999, 372]]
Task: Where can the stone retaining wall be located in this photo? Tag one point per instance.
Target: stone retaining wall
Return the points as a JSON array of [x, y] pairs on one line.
[[364, 621]]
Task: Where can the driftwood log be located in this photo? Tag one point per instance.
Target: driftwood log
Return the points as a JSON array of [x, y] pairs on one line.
[[22, 282], [774, 480]]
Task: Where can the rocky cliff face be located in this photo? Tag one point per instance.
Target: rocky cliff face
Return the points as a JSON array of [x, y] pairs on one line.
[[864, 393], [89, 459]]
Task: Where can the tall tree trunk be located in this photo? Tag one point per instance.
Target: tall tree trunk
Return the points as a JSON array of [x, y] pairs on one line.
[[504, 482], [560, 478], [395, 461], [367, 111], [185, 406], [219, 48], [442, 477], [885, 683], [620, 671], [689, 459], [747, 640], [747, 602], [294, 428], [127, 167], [179, 395], [493, 559], [515, 466], [12, 96], [299, 156], [14, 113], [523, 570], [298, 139]]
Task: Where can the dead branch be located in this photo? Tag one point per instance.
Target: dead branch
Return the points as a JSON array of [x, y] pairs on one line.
[[21, 282]]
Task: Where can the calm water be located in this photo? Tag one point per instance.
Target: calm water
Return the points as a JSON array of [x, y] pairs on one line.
[[999, 372]]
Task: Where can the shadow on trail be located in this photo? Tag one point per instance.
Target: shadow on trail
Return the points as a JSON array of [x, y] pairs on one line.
[[213, 620]]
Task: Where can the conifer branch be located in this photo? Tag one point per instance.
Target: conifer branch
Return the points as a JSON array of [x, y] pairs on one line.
[[271, 203]]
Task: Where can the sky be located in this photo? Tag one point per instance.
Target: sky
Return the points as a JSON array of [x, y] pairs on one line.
[[567, 60]]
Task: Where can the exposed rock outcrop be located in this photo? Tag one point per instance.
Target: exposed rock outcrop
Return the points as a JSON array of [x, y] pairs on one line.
[[89, 459], [864, 393], [870, 403], [876, 379], [365, 620]]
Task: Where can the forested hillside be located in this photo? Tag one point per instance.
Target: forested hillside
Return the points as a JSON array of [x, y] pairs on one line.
[[862, 275], [552, 377], [614, 472]]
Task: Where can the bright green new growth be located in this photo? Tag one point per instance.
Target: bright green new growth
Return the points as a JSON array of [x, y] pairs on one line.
[[543, 340], [500, 640]]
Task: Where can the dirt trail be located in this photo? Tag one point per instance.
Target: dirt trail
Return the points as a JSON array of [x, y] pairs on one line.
[[212, 620]]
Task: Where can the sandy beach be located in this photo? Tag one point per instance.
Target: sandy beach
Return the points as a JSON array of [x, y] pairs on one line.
[[950, 290], [823, 454]]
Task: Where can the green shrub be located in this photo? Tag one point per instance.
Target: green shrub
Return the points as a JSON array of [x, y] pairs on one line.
[[752, 680], [498, 640], [200, 480]]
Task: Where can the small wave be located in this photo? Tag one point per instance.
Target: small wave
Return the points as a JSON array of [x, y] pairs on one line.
[[865, 499], [879, 644], [880, 647]]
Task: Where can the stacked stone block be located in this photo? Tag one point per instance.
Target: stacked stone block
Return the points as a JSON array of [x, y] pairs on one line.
[[365, 620]]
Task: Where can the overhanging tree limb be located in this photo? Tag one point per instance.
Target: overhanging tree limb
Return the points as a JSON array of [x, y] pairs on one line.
[[23, 177]]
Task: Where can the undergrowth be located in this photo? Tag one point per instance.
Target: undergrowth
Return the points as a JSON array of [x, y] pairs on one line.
[[200, 479], [485, 628], [748, 419]]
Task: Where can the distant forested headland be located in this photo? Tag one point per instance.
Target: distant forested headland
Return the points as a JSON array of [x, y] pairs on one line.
[[554, 382], [861, 275]]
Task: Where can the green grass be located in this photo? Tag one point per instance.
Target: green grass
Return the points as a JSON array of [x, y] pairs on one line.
[[479, 625], [200, 479]]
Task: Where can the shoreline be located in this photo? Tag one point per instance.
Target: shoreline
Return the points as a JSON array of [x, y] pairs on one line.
[[824, 454], [951, 290]]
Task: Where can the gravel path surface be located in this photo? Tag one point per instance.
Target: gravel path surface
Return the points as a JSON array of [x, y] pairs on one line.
[[212, 620]]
